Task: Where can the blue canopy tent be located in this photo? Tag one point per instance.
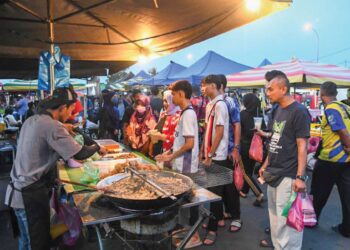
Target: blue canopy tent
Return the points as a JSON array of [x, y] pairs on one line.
[[139, 78], [162, 78], [210, 63], [264, 63]]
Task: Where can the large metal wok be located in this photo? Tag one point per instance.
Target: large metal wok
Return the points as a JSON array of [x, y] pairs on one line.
[[149, 204]]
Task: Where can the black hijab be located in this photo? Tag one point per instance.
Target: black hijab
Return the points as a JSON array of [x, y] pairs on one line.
[[252, 104]]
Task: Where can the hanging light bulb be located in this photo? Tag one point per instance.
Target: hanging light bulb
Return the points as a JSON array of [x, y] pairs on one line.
[[253, 5]]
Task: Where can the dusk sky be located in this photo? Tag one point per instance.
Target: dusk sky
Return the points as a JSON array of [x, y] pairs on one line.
[[278, 37]]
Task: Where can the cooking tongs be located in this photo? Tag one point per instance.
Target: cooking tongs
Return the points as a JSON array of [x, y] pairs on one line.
[[132, 172]]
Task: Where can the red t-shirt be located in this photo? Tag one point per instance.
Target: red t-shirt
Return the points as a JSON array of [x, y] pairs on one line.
[[169, 130]]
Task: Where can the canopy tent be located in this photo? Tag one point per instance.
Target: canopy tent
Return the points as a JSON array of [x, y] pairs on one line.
[[19, 85], [26, 85], [138, 78], [210, 63], [264, 62], [163, 77], [300, 73], [99, 34]]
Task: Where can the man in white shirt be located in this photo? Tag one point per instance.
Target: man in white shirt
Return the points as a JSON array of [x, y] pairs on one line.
[[215, 150], [184, 154]]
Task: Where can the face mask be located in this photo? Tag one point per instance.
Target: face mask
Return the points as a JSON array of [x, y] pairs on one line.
[[141, 109]]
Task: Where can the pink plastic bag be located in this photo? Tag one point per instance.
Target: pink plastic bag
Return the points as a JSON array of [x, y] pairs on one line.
[[309, 214], [238, 175], [295, 217], [256, 150], [70, 216], [313, 144]]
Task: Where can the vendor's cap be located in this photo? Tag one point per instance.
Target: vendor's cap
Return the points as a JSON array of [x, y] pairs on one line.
[[60, 96]]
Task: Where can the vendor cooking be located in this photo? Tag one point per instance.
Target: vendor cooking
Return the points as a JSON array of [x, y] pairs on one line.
[[43, 140]]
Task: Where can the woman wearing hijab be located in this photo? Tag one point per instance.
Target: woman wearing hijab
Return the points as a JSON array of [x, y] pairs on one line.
[[141, 122], [162, 138], [252, 109], [109, 121]]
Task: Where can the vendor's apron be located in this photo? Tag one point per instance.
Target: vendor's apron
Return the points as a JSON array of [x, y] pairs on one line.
[[36, 199]]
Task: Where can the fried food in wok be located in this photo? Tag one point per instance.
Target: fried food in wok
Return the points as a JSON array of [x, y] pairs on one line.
[[120, 168], [136, 189]]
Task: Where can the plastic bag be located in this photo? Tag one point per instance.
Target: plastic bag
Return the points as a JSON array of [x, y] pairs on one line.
[[309, 214], [70, 216], [238, 175], [289, 204], [256, 150], [295, 217], [90, 174]]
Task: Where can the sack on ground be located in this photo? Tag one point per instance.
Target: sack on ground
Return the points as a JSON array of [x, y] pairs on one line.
[[295, 217], [256, 150]]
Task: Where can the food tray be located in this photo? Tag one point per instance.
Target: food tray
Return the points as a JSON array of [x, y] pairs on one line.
[[110, 145], [114, 157]]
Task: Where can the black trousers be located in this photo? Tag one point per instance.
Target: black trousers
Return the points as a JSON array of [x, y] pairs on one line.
[[249, 164], [325, 175], [230, 198]]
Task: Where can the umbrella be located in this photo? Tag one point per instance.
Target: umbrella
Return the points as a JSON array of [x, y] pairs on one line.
[[99, 34], [300, 73]]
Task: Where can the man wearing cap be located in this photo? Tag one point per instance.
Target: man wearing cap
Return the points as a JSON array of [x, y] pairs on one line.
[[43, 140]]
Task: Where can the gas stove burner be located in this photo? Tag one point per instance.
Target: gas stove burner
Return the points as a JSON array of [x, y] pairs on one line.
[[152, 222]]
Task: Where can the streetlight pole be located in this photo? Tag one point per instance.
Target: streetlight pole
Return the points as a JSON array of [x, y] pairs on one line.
[[309, 27], [318, 43]]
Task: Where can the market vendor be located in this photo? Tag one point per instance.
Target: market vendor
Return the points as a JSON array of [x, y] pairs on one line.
[[43, 140]]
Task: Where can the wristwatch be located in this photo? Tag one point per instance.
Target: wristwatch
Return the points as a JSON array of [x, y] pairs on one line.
[[236, 146], [302, 177], [210, 155]]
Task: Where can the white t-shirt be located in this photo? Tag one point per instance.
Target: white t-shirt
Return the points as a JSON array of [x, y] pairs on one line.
[[187, 126], [221, 117]]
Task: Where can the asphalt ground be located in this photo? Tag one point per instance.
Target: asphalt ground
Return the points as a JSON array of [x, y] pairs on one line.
[[255, 219]]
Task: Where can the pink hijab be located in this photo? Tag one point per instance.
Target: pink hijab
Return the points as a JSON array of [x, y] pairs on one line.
[[172, 108]]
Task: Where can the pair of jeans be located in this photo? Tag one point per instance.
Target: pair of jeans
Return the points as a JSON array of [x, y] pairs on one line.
[[282, 236], [230, 198], [24, 238], [325, 175]]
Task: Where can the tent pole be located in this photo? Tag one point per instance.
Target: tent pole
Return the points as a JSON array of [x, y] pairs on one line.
[[52, 39]]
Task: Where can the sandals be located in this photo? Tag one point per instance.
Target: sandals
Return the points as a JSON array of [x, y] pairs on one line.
[[236, 224], [266, 243], [210, 236]]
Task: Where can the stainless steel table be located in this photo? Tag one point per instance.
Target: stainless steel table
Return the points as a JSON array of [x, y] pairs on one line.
[[92, 213]]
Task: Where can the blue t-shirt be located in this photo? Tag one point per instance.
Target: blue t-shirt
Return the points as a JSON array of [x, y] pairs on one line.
[[234, 117], [22, 106]]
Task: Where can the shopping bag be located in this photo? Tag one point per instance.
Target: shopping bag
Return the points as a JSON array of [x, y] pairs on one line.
[[70, 216], [295, 217], [309, 214], [256, 150], [238, 175], [289, 204], [67, 221]]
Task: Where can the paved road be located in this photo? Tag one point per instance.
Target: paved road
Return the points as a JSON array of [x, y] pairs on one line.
[[254, 222]]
